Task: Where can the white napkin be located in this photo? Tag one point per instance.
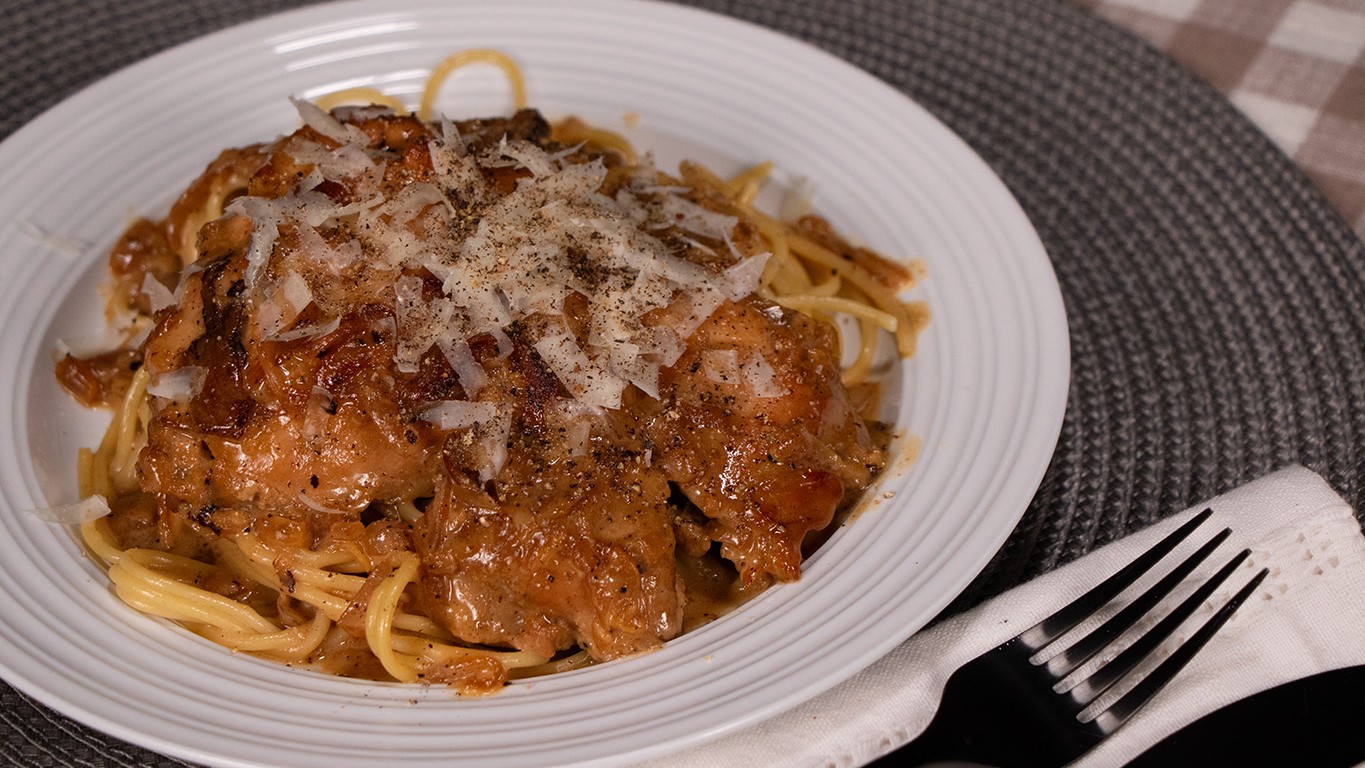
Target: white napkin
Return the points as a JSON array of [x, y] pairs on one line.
[[1307, 616]]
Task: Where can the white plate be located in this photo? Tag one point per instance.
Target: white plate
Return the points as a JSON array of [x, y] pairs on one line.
[[984, 397]]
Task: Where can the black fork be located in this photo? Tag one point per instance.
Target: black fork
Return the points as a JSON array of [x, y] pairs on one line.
[[1003, 709]]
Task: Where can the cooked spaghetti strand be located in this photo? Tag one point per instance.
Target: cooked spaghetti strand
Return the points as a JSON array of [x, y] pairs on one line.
[[464, 58]]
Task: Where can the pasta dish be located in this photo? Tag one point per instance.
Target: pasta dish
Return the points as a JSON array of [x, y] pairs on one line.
[[406, 398]]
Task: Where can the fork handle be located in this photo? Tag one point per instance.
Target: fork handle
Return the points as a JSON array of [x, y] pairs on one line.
[[978, 717]]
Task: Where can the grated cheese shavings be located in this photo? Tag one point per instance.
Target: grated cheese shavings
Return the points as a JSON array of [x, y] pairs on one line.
[[323, 122], [459, 414], [91, 507], [158, 295], [180, 385], [504, 259]]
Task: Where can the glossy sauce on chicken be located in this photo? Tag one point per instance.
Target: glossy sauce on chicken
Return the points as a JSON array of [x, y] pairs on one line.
[[548, 374]]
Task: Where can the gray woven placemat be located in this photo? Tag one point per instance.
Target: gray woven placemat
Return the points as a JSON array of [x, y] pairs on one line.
[[1214, 298]]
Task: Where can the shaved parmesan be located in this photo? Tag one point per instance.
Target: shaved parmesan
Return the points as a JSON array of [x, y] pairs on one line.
[[284, 301], [318, 119], [185, 274], [158, 295], [677, 211], [179, 385], [89, 508], [492, 437], [295, 291], [720, 365], [334, 258], [314, 331], [413, 201], [470, 374], [349, 161], [743, 278], [459, 414], [504, 343], [528, 156], [266, 217], [699, 306], [577, 421], [499, 259], [586, 381], [760, 376]]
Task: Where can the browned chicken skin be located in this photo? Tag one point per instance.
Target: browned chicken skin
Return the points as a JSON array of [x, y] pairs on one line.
[[765, 470], [553, 526]]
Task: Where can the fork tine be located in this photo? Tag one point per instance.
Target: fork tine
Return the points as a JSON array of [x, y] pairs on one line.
[[1064, 662], [1085, 691], [1070, 615], [1132, 701]]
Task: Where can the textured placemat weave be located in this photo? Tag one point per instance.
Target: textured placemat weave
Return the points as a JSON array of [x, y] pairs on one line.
[[1214, 298]]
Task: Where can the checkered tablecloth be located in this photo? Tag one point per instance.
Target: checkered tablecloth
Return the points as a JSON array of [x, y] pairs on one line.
[[1295, 67]]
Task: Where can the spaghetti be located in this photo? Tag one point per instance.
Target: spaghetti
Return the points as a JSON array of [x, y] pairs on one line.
[[463, 402]]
